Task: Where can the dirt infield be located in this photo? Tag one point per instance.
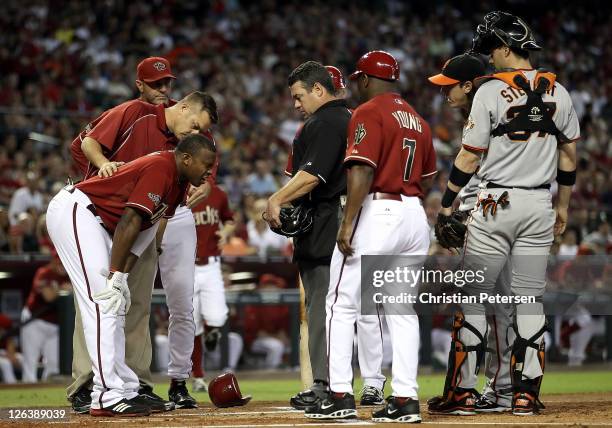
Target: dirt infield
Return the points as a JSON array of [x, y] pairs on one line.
[[561, 410]]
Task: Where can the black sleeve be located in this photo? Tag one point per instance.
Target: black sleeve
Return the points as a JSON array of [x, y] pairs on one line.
[[325, 145]]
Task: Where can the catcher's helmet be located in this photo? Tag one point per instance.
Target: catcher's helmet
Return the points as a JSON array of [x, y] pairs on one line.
[[501, 28], [295, 221], [225, 392], [337, 77], [379, 64]]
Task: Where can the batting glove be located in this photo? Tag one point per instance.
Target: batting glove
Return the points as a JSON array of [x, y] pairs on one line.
[[113, 296]]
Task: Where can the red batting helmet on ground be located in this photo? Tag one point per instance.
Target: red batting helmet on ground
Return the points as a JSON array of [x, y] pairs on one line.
[[337, 77], [379, 64], [225, 392]]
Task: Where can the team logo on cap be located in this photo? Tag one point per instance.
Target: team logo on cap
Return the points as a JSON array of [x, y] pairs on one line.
[[360, 134], [159, 66]]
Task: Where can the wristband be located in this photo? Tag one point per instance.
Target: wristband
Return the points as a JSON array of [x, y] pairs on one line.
[[566, 178], [459, 178], [448, 198]]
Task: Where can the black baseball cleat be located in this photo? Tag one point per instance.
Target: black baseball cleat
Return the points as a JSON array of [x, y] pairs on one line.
[[180, 396], [81, 400], [123, 408], [526, 404], [484, 405], [401, 410], [336, 406], [155, 401], [461, 402], [371, 396], [309, 397]]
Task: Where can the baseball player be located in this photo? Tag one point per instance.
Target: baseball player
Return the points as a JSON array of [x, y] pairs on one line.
[[127, 132], [99, 227], [369, 327], [389, 154], [214, 222], [40, 334], [521, 130], [456, 82]]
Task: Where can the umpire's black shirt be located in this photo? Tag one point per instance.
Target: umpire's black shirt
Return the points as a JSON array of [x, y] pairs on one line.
[[319, 149]]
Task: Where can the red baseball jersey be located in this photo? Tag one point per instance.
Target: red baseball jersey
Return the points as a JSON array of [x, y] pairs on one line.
[[126, 132], [149, 184], [44, 277], [389, 135], [208, 214]]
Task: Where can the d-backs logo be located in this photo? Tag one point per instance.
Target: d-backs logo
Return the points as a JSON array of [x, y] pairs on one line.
[[360, 134], [156, 199], [159, 66]]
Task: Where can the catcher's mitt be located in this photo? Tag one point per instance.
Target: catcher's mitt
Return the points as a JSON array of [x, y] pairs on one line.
[[450, 232], [295, 221]]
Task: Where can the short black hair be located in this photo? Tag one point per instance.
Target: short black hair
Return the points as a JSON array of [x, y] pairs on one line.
[[205, 102], [193, 143], [312, 72]]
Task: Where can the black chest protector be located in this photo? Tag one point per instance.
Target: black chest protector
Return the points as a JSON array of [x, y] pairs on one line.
[[535, 115]]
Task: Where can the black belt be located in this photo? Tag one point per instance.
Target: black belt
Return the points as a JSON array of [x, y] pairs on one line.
[[92, 209], [202, 261], [391, 196], [500, 186]]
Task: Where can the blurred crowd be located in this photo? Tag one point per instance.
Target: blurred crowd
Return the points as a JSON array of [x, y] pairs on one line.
[[64, 62]]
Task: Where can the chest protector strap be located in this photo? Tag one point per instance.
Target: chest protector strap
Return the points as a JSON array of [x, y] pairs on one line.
[[536, 115]]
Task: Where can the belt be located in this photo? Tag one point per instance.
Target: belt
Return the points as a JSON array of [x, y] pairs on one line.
[[202, 261], [381, 195], [500, 186], [91, 208]]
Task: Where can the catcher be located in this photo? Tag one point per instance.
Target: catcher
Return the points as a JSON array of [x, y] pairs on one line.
[[457, 84]]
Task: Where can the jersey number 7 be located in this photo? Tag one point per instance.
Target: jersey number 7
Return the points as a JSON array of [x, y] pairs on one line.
[[410, 146]]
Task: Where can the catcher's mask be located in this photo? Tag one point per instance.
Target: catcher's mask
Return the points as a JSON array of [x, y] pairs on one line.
[[295, 221], [501, 28]]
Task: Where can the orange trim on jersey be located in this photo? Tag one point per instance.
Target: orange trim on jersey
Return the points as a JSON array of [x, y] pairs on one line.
[[508, 78], [360, 158], [474, 149]]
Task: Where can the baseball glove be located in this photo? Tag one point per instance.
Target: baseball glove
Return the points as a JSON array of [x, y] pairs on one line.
[[450, 232]]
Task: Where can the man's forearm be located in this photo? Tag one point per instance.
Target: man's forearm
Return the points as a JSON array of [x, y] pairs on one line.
[[359, 181], [467, 162], [125, 235], [301, 184], [566, 168], [93, 151]]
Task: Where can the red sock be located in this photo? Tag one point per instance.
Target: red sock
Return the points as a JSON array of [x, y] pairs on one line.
[[196, 357]]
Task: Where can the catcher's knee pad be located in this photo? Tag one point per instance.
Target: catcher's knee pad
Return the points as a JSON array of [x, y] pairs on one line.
[[459, 353], [517, 360]]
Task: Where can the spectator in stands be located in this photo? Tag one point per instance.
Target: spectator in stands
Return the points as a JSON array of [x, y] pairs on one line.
[[260, 236], [261, 182], [40, 336], [23, 237], [10, 359], [27, 199]]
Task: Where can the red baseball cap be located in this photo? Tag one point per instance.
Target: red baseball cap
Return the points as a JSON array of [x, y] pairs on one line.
[[154, 68]]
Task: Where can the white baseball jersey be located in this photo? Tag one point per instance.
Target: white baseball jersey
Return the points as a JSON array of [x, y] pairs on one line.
[[518, 159]]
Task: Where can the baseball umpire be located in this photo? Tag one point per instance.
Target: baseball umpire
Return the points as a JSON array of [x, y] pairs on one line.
[[522, 130], [318, 180]]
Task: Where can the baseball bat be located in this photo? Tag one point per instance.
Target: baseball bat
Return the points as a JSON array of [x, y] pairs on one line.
[[305, 368]]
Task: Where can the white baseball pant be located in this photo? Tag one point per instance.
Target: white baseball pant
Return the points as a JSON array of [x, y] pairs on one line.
[[176, 267], [84, 247], [382, 227]]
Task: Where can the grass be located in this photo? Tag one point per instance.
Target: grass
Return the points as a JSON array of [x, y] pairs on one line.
[[281, 390]]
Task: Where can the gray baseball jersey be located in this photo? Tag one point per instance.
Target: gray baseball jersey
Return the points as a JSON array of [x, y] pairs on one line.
[[468, 196], [519, 159]]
